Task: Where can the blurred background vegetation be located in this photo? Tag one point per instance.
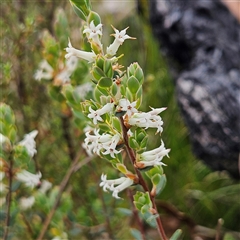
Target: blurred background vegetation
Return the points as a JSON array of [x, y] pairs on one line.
[[194, 195]]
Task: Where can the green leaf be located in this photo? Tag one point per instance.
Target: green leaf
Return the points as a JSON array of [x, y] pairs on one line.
[[116, 124], [177, 235], [131, 69], [12, 134], [100, 62], [103, 91], [141, 134], [160, 184], [6, 114], [78, 114], [69, 96], [81, 8], [144, 142], [155, 170], [124, 211], [107, 68], [103, 127], [98, 73], [55, 93], [133, 143], [21, 157], [122, 168], [15, 186], [139, 75], [136, 234], [93, 16], [156, 179], [138, 205], [133, 85], [105, 82], [152, 219], [114, 89]]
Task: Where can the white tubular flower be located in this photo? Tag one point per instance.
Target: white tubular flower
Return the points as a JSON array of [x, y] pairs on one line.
[[45, 71], [64, 75], [147, 120], [29, 179], [91, 144], [29, 142], [122, 183], [95, 115], [125, 105], [94, 33], [105, 143], [45, 186], [120, 37], [153, 157], [71, 51], [110, 147], [26, 203]]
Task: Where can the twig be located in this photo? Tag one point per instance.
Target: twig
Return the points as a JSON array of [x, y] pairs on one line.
[[108, 223], [73, 168], [219, 228], [29, 228], [181, 216], [141, 180], [9, 199]]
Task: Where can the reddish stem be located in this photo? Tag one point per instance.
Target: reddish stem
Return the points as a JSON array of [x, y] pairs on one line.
[[142, 182]]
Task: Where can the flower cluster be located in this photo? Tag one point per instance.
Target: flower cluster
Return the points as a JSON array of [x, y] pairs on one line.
[[94, 34], [101, 143], [118, 96], [122, 182], [152, 158], [96, 115], [62, 76], [150, 119], [29, 179], [29, 143], [124, 105], [120, 37]]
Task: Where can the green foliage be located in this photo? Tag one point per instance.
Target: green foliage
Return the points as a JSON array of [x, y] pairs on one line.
[[176, 235]]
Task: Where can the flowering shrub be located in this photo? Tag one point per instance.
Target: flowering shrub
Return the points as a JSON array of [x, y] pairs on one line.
[[104, 101], [115, 124]]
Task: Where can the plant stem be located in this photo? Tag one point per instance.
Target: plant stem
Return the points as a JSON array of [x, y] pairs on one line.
[[28, 226], [108, 222], [73, 168], [9, 199], [142, 182]]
